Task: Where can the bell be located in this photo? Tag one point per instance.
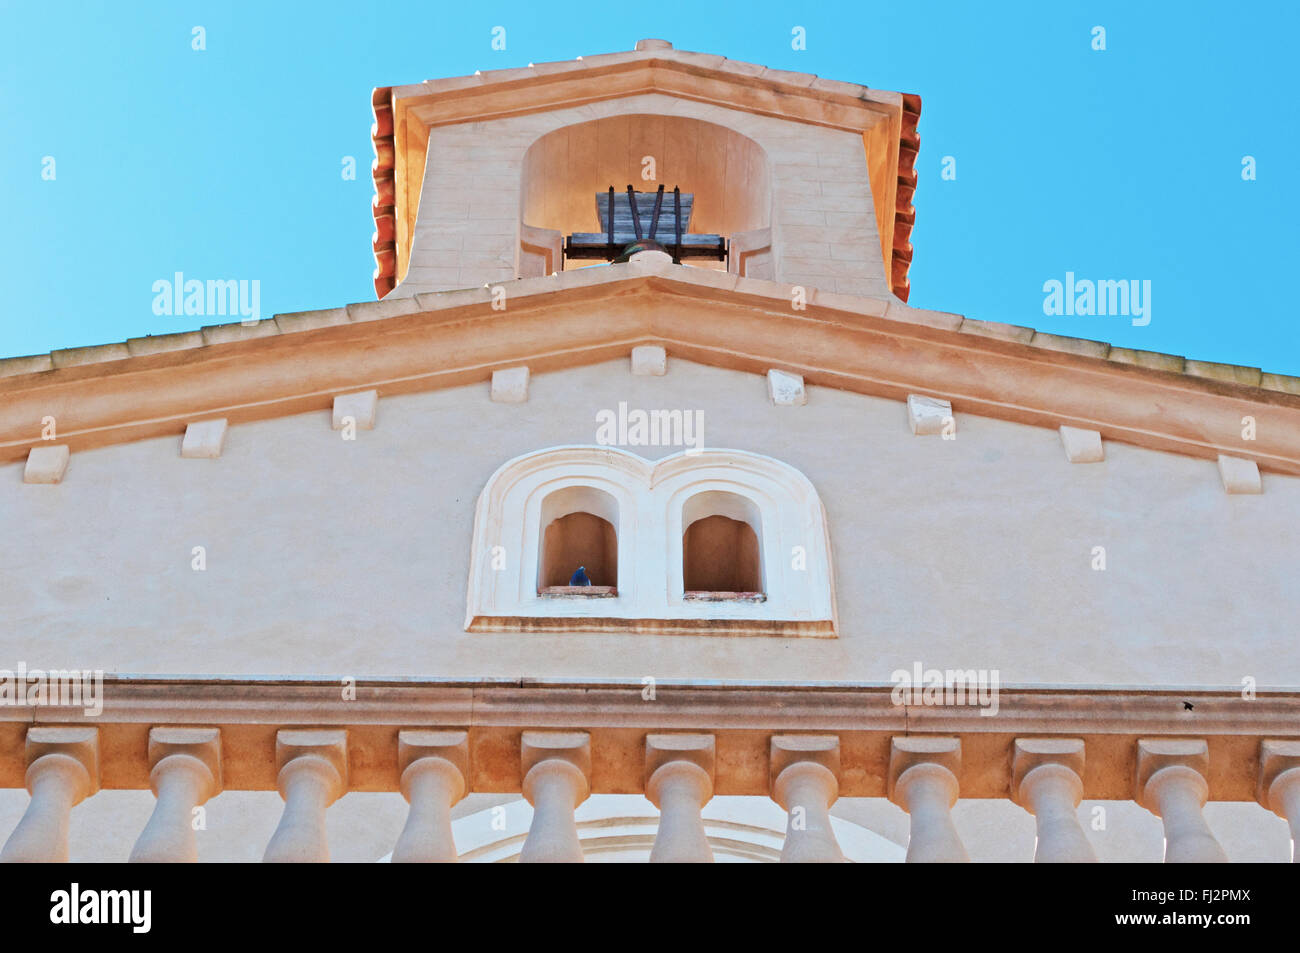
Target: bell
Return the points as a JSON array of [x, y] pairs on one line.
[[641, 244]]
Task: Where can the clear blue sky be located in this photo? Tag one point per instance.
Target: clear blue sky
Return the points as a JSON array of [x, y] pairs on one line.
[[226, 163]]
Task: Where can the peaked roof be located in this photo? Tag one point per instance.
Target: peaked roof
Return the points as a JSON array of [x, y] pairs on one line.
[[297, 363], [653, 66]]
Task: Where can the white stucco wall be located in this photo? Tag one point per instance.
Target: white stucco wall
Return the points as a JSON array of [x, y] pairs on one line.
[[332, 557]]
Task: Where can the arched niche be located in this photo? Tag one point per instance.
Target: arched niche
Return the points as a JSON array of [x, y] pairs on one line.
[[578, 529], [727, 172], [721, 549]]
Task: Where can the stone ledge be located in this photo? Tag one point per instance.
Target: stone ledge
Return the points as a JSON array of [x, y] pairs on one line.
[[993, 329], [236, 331], [33, 364], [162, 343], [95, 354], [1230, 373]]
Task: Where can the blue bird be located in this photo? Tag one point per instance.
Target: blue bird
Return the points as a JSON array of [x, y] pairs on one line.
[[579, 578]]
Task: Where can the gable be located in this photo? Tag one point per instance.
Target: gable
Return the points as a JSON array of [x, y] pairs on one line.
[[297, 363]]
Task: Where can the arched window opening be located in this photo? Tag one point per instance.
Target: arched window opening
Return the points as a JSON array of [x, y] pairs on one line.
[[721, 555], [579, 540]]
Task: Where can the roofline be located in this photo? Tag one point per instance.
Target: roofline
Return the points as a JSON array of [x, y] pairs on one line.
[[296, 363]]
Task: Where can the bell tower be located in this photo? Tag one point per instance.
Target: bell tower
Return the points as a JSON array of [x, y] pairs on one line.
[[765, 173]]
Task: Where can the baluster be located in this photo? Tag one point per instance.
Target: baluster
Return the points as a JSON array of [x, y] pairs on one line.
[[62, 771], [185, 772], [1171, 785], [557, 772], [1279, 784], [1047, 781], [313, 774], [804, 772], [679, 782], [923, 774], [434, 766]]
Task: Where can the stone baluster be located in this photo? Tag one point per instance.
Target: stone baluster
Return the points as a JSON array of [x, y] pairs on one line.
[[434, 766], [1047, 781], [313, 774], [923, 773], [804, 776], [185, 771], [62, 771], [679, 782], [1171, 785], [1279, 784], [557, 773]]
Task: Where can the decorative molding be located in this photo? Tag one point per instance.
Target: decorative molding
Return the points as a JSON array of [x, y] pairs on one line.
[[510, 385], [927, 415], [451, 339], [786, 389], [1239, 476], [361, 407], [46, 464], [204, 439], [742, 717], [649, 360], [1082, 446]]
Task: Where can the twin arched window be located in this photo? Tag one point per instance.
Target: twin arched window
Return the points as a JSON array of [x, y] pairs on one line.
[[721, 555], [713, 540]]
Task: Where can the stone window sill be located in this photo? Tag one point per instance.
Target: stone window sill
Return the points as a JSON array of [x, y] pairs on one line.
[[695, 595], [578, 592]]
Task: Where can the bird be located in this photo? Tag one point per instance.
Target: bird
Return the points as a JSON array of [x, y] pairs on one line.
[[579, 578], [1187, 706]]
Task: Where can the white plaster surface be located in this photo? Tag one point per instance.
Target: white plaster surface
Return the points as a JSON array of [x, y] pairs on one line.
[[969, 553]]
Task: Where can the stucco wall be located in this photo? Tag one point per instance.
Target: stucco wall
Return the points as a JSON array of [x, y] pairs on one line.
[[332, 557]]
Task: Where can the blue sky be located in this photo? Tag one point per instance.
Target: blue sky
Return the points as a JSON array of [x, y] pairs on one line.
[[226, 163]]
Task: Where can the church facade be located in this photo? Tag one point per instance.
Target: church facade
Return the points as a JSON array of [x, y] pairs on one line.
[[640, 517]]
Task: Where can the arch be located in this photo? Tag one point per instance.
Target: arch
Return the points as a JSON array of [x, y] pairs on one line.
[[578, 529], [563, 169], [650, 507], [721, 546], [622, 827]]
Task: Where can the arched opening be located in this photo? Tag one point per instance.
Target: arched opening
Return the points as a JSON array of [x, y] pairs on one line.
[[726, 172], [578, 531], [721, 553]]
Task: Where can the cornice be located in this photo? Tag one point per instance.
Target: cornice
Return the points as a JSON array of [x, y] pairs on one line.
[[292, 364], [741, 716]]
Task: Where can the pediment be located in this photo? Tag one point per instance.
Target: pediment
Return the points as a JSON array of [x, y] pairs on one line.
[[296, 363]]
